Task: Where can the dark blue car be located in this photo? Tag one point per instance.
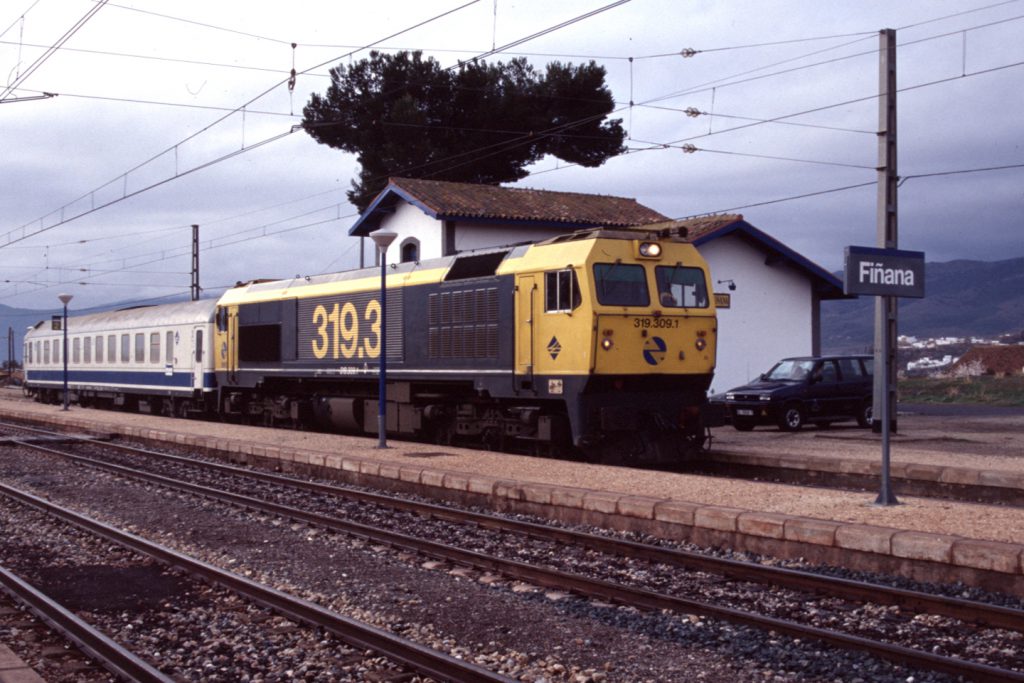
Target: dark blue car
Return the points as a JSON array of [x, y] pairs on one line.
[[796, 391]]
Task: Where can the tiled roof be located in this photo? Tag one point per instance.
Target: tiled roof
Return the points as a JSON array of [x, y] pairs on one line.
[[999, 360], [705, 229], [443, 199]]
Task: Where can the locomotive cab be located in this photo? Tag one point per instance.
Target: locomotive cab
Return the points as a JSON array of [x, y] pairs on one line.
[[620, 329]]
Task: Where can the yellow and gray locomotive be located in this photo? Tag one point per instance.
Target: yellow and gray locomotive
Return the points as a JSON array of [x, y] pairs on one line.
[[600, 340]]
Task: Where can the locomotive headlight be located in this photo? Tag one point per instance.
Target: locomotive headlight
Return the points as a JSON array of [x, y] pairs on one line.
[[701, 344], [650, 249], [607, 343]]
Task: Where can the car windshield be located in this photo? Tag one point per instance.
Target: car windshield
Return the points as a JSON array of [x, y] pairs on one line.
[[790, 371]]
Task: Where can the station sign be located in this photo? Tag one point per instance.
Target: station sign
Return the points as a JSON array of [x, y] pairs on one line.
[[883, 272]]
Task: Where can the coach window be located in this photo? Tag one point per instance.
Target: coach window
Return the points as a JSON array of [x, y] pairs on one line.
[[46, 352], [76, 351], [154, 347], [56, 351], [140, 347], [169, 352], [87, 355], [99, 349], [561, 291], [126, 348], [111, 348]]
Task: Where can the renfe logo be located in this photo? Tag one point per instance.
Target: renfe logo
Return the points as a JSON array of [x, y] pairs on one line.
[[884, 272]]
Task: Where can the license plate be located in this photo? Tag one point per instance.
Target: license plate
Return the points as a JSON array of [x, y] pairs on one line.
[[744, 411]]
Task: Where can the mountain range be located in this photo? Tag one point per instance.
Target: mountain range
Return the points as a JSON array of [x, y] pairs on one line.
[[962, 299]]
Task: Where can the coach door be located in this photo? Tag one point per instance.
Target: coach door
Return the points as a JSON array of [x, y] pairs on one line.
[[526, 315], [198, 355]]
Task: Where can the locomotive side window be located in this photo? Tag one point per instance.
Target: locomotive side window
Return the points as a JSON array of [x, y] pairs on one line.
[[562, 291], [681, 287], [621, 285]]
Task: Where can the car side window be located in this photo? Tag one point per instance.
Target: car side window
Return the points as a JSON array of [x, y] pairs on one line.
[[827, 373], [850, 367]]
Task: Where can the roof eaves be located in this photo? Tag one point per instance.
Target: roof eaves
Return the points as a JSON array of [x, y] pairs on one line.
[[833, 286], [371, 218]]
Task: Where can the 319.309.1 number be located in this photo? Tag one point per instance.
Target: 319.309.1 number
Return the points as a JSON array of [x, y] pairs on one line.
[[656, 323]]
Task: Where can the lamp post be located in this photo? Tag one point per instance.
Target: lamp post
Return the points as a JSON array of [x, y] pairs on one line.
[[383, 239], [65, 299]]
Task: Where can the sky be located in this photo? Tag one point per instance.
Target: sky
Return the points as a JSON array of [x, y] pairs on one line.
[[173, 114]]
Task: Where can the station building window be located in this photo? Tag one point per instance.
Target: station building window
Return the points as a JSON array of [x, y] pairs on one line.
[[410, 251]]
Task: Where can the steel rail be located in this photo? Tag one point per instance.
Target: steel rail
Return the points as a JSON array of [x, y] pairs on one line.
[[422, 659], [594, 588], [971, 611], [112, 656]]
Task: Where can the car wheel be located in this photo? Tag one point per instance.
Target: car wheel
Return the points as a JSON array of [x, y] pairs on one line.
[[792, 418], [865, 414], [743, 425]]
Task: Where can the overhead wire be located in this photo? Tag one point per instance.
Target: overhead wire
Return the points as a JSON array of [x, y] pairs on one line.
[[493, 51], [49, 52], [861, 185], [12, 237]]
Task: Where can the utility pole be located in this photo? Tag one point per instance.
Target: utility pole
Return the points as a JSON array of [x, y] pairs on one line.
[[887, 234], [195, 262]]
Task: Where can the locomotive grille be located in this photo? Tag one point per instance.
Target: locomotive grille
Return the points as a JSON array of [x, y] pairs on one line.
[[463, 324]]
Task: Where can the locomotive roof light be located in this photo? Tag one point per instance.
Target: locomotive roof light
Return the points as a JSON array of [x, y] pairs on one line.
[[650, 250]]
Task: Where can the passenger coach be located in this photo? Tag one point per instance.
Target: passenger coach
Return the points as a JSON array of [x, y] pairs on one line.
[[156, 358]]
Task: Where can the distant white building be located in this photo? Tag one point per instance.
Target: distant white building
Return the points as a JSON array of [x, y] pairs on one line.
[[773, 294]]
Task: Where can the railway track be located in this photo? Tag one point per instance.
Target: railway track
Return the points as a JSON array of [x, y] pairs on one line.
[[971, 612]]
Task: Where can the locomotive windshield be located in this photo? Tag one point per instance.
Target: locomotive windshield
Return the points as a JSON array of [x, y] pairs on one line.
[[621, 285], [681, 287]]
